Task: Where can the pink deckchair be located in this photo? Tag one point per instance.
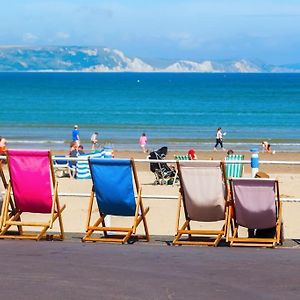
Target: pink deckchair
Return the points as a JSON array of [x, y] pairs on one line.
[[257, 205], [5, 185], [203, 192], [32, 182]]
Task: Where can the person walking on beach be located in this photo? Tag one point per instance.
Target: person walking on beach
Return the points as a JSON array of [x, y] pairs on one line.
[[143, 142], [219, 139], [94, 140], [75, 135]]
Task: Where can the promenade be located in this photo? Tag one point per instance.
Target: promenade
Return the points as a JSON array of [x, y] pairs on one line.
[[156, 270], [75, 270], [163, 208]]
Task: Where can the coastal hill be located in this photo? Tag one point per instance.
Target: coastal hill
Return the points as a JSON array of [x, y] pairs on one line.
[[97, 59]]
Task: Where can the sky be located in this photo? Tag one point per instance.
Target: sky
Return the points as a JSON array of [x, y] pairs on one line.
[[259, 30]]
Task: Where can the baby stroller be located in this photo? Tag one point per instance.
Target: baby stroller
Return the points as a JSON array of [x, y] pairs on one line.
[[163, 173]]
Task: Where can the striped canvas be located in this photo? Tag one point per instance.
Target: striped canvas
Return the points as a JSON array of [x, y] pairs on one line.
[[82, 167], [234, 170], [181, 157]]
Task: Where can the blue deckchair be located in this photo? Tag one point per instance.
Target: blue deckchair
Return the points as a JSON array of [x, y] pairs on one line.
[[114, 190], [234, 170]]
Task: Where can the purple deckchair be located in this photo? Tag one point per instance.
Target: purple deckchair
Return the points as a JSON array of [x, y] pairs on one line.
[[256, 204]]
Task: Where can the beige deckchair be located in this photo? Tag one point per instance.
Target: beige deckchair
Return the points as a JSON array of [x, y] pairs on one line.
[[203, 193], [257, 205]]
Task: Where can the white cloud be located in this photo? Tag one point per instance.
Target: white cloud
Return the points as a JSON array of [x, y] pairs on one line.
[[62, 35], [29, 37], [185, 40]]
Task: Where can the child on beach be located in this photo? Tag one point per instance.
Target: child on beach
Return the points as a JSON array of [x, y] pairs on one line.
[[219, 139], [94, 140], [266, 147], [143, 142], [192, 154]]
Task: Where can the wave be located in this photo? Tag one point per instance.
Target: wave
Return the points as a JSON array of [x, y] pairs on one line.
[[35, 142], [159, 140]]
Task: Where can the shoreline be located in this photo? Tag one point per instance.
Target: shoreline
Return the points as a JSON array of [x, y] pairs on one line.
[[180, 145]]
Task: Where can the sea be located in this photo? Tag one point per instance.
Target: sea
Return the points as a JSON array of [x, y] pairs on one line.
[[177, 110]]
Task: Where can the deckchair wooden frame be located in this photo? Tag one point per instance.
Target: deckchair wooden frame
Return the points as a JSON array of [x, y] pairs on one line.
[[185, 229], [127, 232], [14, 219], [12, 209], [235, 240]]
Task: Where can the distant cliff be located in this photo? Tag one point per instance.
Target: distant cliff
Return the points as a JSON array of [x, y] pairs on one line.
[[97, 59]]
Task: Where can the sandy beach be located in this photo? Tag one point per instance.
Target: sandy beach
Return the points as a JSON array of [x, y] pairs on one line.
[[218, 155], [162, 214]]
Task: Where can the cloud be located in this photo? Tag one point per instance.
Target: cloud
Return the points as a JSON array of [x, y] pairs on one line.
[[96, 10], [185, 40], [58, 38], [62, 35], [29, 37]]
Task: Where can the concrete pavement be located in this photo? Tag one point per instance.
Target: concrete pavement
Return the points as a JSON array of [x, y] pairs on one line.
[[75, 270]]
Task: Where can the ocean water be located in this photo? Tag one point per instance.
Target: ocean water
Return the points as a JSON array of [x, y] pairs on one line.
[[38, 110]]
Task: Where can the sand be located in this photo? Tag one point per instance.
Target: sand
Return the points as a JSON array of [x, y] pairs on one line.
[[162, 215]]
